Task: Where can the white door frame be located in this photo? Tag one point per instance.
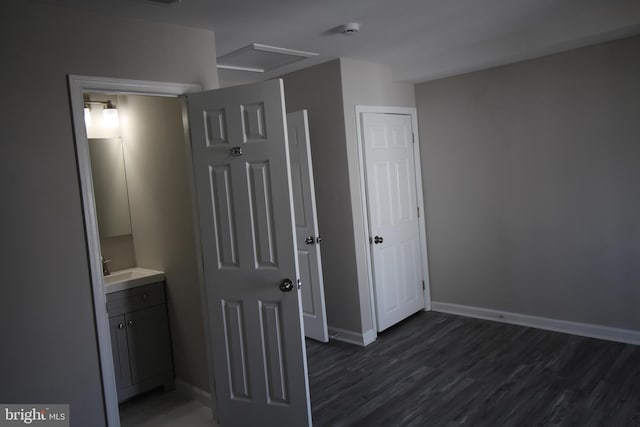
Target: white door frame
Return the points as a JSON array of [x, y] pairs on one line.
[[78, 85], [412, 112]]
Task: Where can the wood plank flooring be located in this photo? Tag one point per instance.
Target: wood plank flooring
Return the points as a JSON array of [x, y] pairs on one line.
[[437, 369]]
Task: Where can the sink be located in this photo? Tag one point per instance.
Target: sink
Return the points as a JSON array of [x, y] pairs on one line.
[[130, 278]]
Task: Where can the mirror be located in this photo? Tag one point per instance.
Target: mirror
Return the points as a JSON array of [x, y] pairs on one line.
[[110, 186]]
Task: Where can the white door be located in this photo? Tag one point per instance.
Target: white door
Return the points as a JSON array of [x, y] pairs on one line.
[[307, 235], [243, 190], [394, 227]]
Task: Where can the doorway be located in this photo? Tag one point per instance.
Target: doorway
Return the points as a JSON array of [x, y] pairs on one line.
[[160, 233], [83, 85]]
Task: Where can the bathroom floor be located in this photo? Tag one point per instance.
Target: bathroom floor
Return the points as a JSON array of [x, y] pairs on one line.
[[160, 409]]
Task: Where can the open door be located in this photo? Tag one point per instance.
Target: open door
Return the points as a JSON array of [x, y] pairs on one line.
[[307, 234], [243, 189]]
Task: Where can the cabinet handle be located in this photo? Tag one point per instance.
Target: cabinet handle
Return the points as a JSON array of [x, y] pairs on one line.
[[120, 325], [130, 323], [145, 297]]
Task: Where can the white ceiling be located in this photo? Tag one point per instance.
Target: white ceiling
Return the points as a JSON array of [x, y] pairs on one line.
[[420, 39]]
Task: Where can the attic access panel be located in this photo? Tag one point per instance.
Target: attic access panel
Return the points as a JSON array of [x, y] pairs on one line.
[[260, 58]]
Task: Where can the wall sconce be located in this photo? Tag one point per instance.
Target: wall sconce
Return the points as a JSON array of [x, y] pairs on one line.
[[110, 117]]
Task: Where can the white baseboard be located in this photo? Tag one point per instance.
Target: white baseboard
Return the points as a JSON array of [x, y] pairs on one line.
[[627, 336], [192, 392], [369, 336], [352, 337]]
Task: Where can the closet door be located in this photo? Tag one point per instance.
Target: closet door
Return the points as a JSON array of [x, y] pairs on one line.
[[394, 227]]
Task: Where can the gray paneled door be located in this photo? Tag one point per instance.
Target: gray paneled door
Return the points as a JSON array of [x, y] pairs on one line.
[[243, 188]]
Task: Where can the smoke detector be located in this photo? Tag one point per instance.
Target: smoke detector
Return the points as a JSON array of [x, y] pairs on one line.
[[350, 28]]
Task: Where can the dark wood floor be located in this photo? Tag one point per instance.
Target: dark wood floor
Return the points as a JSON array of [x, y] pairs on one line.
[[436, 369]]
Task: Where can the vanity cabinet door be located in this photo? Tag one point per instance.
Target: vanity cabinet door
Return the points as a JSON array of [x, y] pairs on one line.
[[149, 343], [119, 347]]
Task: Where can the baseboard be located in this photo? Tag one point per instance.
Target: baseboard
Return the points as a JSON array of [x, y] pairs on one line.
[[351, 337], [627, 336], [192, 392]]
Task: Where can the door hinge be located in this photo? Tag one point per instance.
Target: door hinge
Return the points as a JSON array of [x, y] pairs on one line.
[[418, 207], [423, 287], [413, 137]]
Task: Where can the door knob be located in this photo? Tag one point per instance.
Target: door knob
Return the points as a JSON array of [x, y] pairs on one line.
[[120, 325], [310, 240], [130, 323], [378, 239], [286, 285]]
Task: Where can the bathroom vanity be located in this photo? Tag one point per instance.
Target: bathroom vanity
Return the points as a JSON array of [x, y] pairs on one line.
[[139, 326]]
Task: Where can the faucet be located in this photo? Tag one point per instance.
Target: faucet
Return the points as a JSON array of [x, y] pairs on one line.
[[105, 267]]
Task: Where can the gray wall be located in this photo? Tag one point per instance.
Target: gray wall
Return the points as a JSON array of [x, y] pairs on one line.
[[365, 83], [49, 351], [318, 89], [162, 221], [531, 179], [330, 91]]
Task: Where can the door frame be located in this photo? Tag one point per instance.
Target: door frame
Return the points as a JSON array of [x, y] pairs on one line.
[[78, 85], [412, 112]]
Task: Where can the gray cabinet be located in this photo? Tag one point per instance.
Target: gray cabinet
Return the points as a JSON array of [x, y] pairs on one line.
[[120, 351], [140, 340]]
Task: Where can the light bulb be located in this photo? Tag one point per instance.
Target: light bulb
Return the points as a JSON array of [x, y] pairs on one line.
[[110, 116], [87, 116]]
